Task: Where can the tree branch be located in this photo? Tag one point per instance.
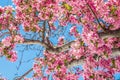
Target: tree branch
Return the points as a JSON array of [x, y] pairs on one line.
[[62, 48], [25, 74], [49, 48], [29, 41], [115, 53], [4, 34], [75, 63], [110, 33], [89, 7], [43, 33]]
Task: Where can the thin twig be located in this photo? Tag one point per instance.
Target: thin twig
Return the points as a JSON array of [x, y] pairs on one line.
[[4, 34], [43, 32], [95, 16], [25, 74]]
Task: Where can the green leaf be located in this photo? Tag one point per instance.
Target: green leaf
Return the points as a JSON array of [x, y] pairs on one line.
[[27, 28], [8, 56], [113, 63], [67, 6], [77, 31], [0, 13], [81, 43], [73, 57], [99, 27], [91, 41], [5, 51], [7, 11], [26, 1], [30, 9], [105, 39], [33, 29], [51, 15], [82, 57], [92, 76], [0, 26], [13, 10], [95, 56], [65, 62], [58, 67], [96, 44], [105, 54], [113, 10], [80, 20], [52, 60]]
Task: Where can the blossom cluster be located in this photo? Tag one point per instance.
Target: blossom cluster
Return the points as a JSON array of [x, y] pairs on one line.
[[8, 44], [56, 64], [98, 63], [95, 16]]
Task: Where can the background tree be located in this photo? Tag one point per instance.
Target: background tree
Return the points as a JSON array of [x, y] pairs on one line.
[[96, 49]]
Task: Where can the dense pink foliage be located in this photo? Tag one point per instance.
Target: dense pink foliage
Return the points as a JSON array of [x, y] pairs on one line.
[[98, 63]]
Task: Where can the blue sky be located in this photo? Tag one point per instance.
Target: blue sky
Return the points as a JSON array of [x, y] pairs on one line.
[[11, 70], [25, 53]]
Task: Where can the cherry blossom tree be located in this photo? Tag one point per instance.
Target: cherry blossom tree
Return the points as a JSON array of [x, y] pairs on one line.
[[96, 49]]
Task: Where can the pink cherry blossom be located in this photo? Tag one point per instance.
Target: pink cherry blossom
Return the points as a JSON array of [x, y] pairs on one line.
[[13, 55], [96, 17], [61, 40], [7, 41]]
